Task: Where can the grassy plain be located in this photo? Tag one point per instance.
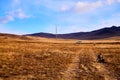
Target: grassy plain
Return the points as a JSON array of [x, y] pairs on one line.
[[50, 59]]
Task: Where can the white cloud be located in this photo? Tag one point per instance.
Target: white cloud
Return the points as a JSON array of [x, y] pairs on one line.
[[22, 16], [55, 5], [64, 5], [16, 1], [109, 2], [118, 0], [7, 19], [64, 8], [86, 6], [19, 13]]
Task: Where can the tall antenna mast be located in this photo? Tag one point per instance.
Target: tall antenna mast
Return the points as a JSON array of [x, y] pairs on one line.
[[56, 32]]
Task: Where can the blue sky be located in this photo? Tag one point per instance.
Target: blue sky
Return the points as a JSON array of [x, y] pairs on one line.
[[31, 16]]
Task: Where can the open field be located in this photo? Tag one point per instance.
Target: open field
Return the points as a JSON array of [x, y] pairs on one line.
[[50, 59]]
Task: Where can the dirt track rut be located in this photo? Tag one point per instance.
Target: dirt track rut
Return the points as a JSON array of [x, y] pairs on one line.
[[85, 67]]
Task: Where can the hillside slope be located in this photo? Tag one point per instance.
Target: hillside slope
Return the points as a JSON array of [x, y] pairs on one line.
[[13, 36], [96, 34]]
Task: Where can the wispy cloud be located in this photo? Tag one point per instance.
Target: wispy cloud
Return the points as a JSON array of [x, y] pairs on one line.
[[109, 2], [16, 1], [6, 19], [65, 5], [20, 14], [118, 0], [64, 8], [86, 7], [12, 15]]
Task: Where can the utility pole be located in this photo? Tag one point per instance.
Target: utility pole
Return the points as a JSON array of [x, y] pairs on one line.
[[56, 32]]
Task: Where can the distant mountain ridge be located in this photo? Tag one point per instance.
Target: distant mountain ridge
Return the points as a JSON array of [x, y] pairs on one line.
[[96, 34], [8, 35]]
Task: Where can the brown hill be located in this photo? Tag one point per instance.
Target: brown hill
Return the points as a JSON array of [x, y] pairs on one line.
[[103, 33], [13, 36]]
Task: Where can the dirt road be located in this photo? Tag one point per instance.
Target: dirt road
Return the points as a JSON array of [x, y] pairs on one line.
[[85, 67]]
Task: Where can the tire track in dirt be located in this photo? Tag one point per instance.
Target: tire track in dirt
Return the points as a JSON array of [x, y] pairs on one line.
[[78, 69], [73, 71], [85, 67]]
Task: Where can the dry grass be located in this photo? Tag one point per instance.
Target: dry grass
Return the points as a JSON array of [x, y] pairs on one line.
[[42, 60]]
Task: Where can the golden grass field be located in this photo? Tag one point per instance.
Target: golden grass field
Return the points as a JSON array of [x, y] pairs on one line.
[[50, 59]]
